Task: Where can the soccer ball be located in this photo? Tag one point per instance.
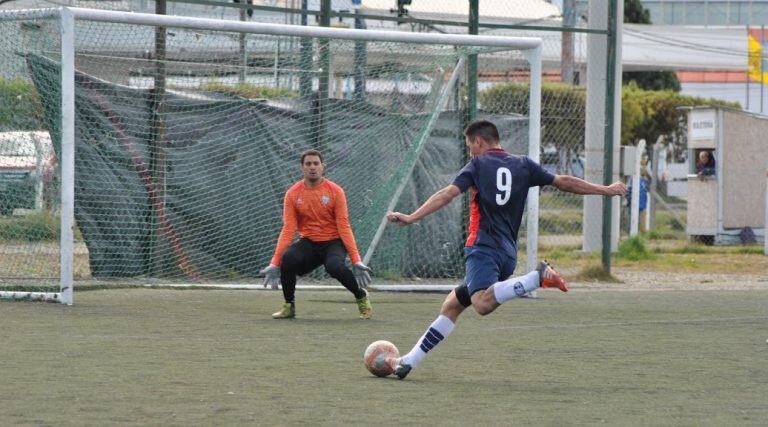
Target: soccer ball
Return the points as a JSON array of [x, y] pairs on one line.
[[379, 357]]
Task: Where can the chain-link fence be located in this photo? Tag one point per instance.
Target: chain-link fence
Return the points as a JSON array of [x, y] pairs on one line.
[[182, 155], [199, 61]]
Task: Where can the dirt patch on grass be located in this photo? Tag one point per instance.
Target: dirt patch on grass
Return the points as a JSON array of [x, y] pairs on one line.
[[633, 279]]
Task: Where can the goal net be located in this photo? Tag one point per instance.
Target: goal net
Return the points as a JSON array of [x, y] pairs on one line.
[[173, 140]]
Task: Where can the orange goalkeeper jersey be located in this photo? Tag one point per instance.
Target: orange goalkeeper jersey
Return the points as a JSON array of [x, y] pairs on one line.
[[320, 214]]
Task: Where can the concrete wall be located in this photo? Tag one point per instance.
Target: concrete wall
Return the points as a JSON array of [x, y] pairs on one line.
[[702, 204], [745, 159], [702, 194]]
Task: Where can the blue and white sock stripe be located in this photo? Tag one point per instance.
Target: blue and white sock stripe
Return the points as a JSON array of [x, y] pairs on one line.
[[431, 339]]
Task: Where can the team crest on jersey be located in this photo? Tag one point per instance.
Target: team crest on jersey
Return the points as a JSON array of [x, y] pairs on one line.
[[325, 199], [299, 201]]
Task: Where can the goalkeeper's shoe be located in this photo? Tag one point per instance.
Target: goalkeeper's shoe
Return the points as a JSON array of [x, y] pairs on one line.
[[401, 369], [364, 306], [549, 278], [287, 312]]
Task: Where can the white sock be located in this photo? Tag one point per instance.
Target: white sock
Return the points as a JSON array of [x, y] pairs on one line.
[[515, 287], [437, 331]]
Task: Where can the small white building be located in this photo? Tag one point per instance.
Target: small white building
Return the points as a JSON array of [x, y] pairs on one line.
[[720, 206]]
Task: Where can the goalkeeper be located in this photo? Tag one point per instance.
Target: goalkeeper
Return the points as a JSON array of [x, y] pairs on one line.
[[316, 207]]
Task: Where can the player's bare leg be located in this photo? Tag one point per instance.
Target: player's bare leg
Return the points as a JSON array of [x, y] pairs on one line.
[[544, 276], [484, 303]]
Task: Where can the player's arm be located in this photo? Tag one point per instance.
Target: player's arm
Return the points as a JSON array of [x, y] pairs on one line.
[[271, 272], [361, 271], [290, 223], [576, 185], [435, 202], [344, 228]]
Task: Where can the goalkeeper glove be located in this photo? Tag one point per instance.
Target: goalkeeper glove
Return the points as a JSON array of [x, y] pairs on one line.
[[362, 274], [271, 276]]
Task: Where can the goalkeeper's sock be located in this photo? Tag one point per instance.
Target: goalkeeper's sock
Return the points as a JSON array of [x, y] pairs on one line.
[[289, 290], [435, 334], [516, 287]]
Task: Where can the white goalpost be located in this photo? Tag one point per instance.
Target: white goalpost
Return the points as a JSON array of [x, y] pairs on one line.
[[170, 166]]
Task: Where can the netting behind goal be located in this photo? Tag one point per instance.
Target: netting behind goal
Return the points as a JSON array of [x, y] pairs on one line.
[[186, 140]]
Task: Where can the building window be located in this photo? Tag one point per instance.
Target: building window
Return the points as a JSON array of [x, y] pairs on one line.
[[717, 13], [705, 165], [673, 13], [655, 11], [695, 14], [759, 14], [739, 13]]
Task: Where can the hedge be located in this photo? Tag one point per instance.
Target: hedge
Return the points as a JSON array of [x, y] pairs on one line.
[[645, 114], [19, 108]]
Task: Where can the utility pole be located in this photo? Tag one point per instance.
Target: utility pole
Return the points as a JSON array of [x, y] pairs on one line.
[[305, 53], [324, 51], [610, 87], [566, 55], [157, 155], [474, 26], [361, 57], [243, 54]]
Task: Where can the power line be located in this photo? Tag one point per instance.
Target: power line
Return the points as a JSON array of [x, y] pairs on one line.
[[667, 41]]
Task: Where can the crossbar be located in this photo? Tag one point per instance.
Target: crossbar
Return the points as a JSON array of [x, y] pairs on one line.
[[519, 43]]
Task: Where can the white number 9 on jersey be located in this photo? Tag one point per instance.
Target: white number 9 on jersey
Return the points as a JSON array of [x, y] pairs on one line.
[[504, 185]]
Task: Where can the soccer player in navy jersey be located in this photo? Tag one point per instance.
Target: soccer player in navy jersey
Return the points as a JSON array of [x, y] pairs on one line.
[[499, 183]]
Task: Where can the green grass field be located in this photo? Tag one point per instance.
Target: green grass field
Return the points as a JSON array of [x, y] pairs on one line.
[[196, 357]]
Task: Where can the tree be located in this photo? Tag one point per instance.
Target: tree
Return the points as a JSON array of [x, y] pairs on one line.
[[563, 109], [19, 106], [635, 13], [645, 114], [653, 80], [648, 114]]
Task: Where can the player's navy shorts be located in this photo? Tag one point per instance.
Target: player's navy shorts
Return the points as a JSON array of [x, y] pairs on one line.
[[486, 266]]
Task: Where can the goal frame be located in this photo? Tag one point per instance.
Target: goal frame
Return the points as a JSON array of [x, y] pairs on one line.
[[530, 48]]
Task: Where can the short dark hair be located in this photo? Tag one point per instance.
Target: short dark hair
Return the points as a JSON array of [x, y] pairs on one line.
[[483, 129], [311, 153]]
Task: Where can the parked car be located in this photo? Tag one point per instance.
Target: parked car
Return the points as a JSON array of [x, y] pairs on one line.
[[553, 163], [27, 167]]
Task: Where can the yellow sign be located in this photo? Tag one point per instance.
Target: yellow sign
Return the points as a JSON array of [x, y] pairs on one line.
[[755, 62]]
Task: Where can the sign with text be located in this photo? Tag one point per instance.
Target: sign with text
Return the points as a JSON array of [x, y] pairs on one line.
[[702, 124]]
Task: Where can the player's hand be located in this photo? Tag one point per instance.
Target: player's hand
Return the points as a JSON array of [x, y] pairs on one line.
[[618, 188], [399, 218], [362, 274], [271, 275]]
